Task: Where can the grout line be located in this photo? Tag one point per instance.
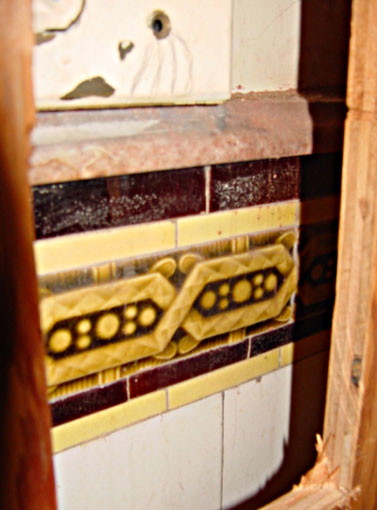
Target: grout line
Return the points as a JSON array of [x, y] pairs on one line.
[[167, 399], [222, 450], [175, 223], [248, 355], [207, 176], [128, 388], [298, 211]]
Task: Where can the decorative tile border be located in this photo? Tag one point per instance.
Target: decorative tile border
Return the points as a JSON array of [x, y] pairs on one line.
[[142, 379], [137, 409], [214, 382], [82, 206], [238, 185], [202, 229], [81, 250], [104, 422], [139, 198], [164, 305], [83, 260]]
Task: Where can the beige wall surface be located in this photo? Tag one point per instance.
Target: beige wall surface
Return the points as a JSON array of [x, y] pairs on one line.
[[266, 45]]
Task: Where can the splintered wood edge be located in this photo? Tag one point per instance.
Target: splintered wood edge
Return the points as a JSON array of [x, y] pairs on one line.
[[317, 489]]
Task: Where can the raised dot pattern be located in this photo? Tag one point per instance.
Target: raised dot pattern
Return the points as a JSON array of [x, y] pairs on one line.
[[227, 295], [82, 333]]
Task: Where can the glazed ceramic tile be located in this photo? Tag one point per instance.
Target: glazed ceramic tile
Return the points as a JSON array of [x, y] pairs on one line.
[[214, 382], [270, 429], [275, 338], [168, 462], [111, 315], [80, 206], [256, 431], [198, 229], [103, 422], [81, 250], [173, 373], [263, 32], [238, 185], [88, 402], [87, 55]]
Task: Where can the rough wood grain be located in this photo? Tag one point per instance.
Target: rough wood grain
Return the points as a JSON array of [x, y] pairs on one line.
[[88, 144], [317, 490], [351, 413], [26, 481]]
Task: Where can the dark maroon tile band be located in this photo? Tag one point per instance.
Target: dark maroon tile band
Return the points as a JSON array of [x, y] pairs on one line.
[[80, 206]]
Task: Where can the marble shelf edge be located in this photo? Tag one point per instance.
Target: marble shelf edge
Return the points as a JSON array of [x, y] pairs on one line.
[[74, 145]]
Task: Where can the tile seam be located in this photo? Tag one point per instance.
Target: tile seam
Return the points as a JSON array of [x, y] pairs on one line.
[[167, 398], [184, 223], [248, 354], [175, 233], [128, 388], [233, 385], [207, 176]]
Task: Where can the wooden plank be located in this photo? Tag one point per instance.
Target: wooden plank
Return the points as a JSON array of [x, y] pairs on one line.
[[317, 490], [26, 481], [320, 498], [351, 413]]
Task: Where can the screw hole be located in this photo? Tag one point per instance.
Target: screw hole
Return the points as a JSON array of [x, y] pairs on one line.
[[157, 26], [159, 22]]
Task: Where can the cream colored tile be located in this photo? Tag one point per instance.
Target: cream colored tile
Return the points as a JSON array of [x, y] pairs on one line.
[[80, 250], [201, 229], [169, 462], [267, 31], [103, 422], [256, 430], [309, 346], [287, 354], [184, 61], [269, 431], [221, 379]]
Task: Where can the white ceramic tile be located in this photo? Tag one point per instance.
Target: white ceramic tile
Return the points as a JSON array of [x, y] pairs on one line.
[[80, 40], [256, 426], [269, 431], [266, 44], [170, 462]]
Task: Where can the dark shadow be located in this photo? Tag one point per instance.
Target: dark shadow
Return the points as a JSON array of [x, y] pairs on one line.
[[325, 31]]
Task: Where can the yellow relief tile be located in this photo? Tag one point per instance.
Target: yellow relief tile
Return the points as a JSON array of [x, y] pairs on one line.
[[215, 226], [224, 378], [79, 250], [304, 348], [103, 422]]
